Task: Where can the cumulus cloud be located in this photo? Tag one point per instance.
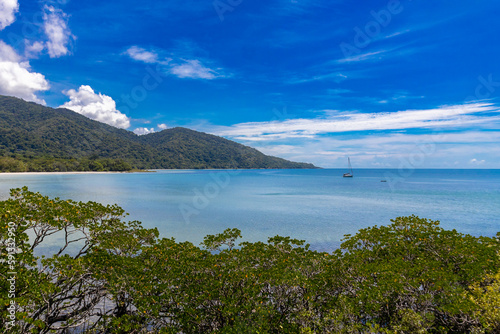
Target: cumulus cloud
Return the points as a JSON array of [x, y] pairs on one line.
[[7, 53], [98, 107], [16, 77], [182, 66], [55, 25], [8, 10], [162, 126], [143, 131]]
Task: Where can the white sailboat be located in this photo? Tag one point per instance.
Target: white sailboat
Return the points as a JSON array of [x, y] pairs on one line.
[[350, 174]]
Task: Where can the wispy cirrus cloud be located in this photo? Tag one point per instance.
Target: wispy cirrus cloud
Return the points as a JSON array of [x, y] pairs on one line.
[[375, 142], [388, 150], [194, 69], [295, 7], [180, 64], [140, 54], [333, 76], [368, 56], [341, 122], [340, 69], [381, 54]]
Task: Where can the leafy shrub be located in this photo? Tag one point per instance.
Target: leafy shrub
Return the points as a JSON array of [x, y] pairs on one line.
[[81, 268]]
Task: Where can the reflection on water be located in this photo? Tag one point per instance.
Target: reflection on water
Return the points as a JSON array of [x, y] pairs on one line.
[[316, 205]]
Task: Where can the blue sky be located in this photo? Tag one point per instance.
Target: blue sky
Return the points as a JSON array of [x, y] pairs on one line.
[[392, 84]]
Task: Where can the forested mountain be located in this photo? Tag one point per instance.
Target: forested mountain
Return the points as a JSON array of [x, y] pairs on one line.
[[38, 138], [185, 148]]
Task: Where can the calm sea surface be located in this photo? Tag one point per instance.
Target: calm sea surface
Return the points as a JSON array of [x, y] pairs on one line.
[[316, 205]]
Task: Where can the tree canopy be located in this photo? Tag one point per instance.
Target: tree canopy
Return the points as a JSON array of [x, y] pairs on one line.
[[80, 267]]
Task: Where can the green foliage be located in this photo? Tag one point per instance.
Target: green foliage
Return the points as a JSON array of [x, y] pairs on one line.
[[59, 291], [50, 164], [227, 238], [413, 274], [36, 138], [103, 275], [184, 148], [8, 164], [485, 296]]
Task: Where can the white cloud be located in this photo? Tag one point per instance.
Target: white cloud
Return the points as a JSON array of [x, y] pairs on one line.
[[438, 138], [141, 54], [56, 28], [193, 69], [16, 78], [184, 66], [162, 126], [98, 107], [450, 133], [335, 76], [477, 162], [338, 91], [8, 10], [399, 51], [337, 122], [436, 150], [34, 49], [376, 55], [143, 131], [7, 53]]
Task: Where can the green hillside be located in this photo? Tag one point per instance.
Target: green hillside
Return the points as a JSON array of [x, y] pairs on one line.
[[185, 148], [38, 138]]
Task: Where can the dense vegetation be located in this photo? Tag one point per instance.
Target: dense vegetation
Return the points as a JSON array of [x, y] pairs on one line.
[[109, 276], [37, 138]]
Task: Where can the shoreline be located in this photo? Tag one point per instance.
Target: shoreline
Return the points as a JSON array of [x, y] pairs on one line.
[[147, 171], [68, 173], [223, 169]]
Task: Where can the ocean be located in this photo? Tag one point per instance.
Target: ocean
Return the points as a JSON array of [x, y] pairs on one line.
[[318, 206]]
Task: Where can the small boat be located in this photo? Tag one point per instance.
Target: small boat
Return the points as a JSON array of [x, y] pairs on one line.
[[350, 174], [383, 180]]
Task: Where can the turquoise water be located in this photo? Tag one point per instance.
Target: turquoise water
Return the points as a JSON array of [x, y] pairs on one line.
[[316, 205]]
